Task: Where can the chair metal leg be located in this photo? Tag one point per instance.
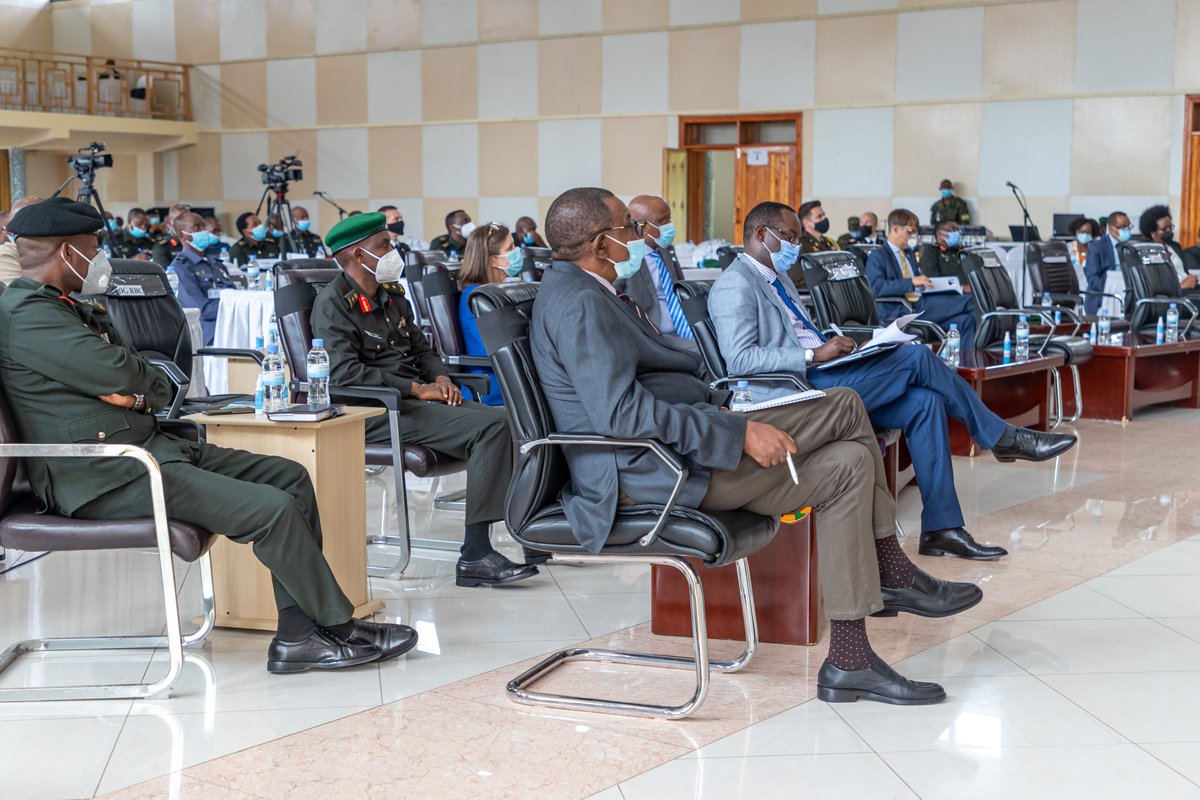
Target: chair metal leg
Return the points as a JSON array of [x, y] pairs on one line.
[[394, 570], [519, 691], [1078, 394], [1056, 400], [452, 501], [900, 534]]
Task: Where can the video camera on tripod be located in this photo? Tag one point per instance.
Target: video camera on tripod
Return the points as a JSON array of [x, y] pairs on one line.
[[85, 162], [278, 175]]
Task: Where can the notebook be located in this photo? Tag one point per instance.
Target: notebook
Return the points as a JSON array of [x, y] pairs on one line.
[[302, 413], [786, 400]]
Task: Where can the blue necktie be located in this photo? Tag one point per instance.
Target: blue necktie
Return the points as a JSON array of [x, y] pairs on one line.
[[787, 301], [682, 329]]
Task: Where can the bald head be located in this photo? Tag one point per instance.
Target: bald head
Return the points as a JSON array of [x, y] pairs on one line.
[[189, 222], [655, 212]]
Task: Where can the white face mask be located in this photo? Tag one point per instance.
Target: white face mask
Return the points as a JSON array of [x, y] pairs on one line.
[[389, 266], [912, 243], [98, 274], [467, 229]]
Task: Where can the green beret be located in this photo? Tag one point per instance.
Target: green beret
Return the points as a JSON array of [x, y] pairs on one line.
[[56, 217], [353, 230]]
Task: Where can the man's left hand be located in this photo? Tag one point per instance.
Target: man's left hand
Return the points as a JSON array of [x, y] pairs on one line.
[[450, 393], [121, 400]]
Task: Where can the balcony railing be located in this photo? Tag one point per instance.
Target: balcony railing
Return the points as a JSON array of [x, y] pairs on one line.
[[89, 85]]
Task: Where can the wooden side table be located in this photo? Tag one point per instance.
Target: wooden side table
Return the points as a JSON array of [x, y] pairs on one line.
[[1019, 392], [1135, 372], [333, 453]]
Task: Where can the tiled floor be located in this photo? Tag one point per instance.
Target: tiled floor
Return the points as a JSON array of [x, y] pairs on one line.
[[1076, 677]]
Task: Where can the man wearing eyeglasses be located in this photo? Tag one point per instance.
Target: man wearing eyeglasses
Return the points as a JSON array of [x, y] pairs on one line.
[[893, 272], [652, 287], [1102, 256]]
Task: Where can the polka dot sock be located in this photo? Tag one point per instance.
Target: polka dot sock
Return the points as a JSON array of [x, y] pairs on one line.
[[848, 645], [895, 570]]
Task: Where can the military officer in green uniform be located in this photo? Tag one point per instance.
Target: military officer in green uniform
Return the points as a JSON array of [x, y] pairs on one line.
[[254, 241], [852, 235], [814, 224], [949, 206], [67, 379], [454, 240], [943, 259], [302, 236], [133, 241], [368, 328]]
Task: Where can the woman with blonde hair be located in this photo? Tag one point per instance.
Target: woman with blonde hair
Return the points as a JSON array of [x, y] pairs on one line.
[[490, 257]]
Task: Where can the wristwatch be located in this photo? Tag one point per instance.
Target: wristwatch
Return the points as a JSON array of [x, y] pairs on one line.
[[809, 355], [139, 403]]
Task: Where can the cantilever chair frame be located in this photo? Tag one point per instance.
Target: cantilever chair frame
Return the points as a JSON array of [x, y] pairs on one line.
[[174, 640]]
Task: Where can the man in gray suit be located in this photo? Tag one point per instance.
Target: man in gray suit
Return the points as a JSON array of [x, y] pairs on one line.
[[652, 288], [606, 370]]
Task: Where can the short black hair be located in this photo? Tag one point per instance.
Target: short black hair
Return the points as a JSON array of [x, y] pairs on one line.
[[574, 216], [449, 216], [1148, 224], [241, 220], [1079, 222], [807, 208], [1116, 214], [766, 213], [384, 209], [136, 210]]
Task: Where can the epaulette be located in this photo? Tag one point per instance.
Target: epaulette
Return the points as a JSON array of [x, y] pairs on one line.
[[350, 298], [396, 289]]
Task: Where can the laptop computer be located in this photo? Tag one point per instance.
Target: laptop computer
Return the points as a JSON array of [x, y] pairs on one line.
[[1022, 233]]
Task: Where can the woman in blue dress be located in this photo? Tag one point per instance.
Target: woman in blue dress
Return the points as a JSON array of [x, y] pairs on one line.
[[490, 257]]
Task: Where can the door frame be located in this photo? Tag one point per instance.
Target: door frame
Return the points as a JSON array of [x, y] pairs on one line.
[[1189, 203]]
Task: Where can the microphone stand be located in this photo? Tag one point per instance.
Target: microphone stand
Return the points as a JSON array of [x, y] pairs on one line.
[[342, 213], [1026, 227]]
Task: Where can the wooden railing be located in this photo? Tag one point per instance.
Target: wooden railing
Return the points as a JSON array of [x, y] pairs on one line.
[[90, 85]]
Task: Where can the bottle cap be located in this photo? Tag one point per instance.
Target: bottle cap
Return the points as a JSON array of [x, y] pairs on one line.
[[272, 348], [258, 342], [953, 326], [743, 384], [318, 343]]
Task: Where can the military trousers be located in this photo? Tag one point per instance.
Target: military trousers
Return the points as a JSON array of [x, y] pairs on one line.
[[841, 477], [264, 501], [472, 432]]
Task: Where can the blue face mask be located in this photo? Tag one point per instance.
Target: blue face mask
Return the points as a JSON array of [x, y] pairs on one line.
[[202, 240], [304, 224], [278, 234], [786, 257], [259, 233], [516, 262], [529, 238], [155, 220], [1123, 234], [637, 252], [947, 192], [137, 233], [112, 224], [953, 238], [666, 234], [1083, 237]]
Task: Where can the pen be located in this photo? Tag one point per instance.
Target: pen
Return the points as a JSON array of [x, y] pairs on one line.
[[792, 469], [836, 329]]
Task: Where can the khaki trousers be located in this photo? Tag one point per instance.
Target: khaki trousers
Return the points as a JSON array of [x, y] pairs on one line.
[[841, 478]]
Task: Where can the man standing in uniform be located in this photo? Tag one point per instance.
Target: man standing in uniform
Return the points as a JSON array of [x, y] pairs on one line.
[[68, 379], [454, 240], [254, 241], [368, 328], [201, 277], [949, 207], [309, 242]]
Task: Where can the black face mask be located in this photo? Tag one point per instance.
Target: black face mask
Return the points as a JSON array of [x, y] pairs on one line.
[[822, 226], [1168, 236], [866, 230], [396, 227]]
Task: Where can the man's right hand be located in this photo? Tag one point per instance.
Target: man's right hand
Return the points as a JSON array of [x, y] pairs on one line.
[[922, 282], [836, 347], [427, 391], [766, 444]]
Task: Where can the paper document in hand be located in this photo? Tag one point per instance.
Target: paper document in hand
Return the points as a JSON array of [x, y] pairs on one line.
[[892, 334]]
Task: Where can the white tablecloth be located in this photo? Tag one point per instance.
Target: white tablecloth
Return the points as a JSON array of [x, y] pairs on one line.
[[242, 317], [199, 387]]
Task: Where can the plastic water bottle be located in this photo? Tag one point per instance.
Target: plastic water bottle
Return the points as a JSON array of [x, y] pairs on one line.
[[273, 330], [173, 279], [274, 384], [224, 255], [1047, 303], [260, 407], [258, 344], [1104, 325], [1092, 335], [268, 281], [1173, 323], [1160, 333], [951, 348], [742, 398], [1007, 347], [1022, 339], [252, 271], [318, 374]]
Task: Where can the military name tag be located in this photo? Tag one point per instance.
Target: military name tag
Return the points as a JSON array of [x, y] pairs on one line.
[[129, 290]]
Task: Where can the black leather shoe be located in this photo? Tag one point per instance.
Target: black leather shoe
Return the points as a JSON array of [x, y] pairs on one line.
[[319, 650], [930, 597], [878, 682], [391, 639], [1030, 445], [492, 570], [957, 542]]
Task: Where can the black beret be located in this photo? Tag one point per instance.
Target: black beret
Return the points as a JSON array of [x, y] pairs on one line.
[[55, 217]]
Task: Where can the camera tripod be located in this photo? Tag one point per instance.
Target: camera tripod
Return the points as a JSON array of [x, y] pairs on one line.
[[276, 199]]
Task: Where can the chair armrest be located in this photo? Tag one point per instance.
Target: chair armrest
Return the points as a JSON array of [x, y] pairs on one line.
[[889, 299], [179, 380], [932, 327], [672, 460], [232, 352], [183, 428], [765, 377], [480, 384], [467, 361], [1179, 301], [1058, 297], [1070, 312], [1020, 312], [386, 395]]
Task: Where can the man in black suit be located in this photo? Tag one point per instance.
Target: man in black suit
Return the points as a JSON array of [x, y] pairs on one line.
[[652, 287], [606, 370]]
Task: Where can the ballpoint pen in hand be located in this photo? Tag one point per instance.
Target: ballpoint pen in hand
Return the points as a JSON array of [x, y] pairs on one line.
[[792, 469]]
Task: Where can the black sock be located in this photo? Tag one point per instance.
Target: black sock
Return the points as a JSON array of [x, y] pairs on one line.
[[896, 571], [849, 648], [294, 624], [477, 541], [342, 631], [1009, 437]]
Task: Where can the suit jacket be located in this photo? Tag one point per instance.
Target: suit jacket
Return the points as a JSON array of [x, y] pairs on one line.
[[883, 271], [1100, 258], [641, 289], [754, 328], [605, 371]]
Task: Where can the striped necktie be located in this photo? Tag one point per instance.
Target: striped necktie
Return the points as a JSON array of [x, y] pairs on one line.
[[800, 315], [682, 329]]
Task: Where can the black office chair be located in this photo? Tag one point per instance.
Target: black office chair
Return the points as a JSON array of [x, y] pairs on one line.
[[664, 535], [442, 299], [537, 261], [727, 254], [1000, 310], [862, 251], [294, 299], [1151, 285], [305, 263], [1051, 270]]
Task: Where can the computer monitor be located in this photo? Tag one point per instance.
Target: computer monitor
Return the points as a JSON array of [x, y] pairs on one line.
[[1062, 222], [1028, 233]]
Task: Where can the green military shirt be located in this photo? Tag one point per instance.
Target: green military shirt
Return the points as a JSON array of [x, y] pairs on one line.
[[447, 245], [58, 356], [165, 251], [939, 261], [243, 248], [310, 244], [125, 246], [952, 208], [372, 341], [816, 244]]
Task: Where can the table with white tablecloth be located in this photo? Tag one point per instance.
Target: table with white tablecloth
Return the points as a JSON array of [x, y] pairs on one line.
[[242, 317]]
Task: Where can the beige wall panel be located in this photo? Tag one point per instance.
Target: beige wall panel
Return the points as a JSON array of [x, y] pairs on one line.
[[200, 169], [635, 15], [394, 159], [906, 4], [44, 171], [998, 213], [935, 142], [704, 69], [120, 184], [753, 10], [449, 83], [631, 154], [543, 207], [856, 60], [570, 76], [302, 143], [1029, 49], [508, 159], [342, 89], [511, 19], [197, 32], [112, 31], [436, 209], [1120, 146], [1187, 52], [27, 29], [291, 32], [244, 95], [393, 23]]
